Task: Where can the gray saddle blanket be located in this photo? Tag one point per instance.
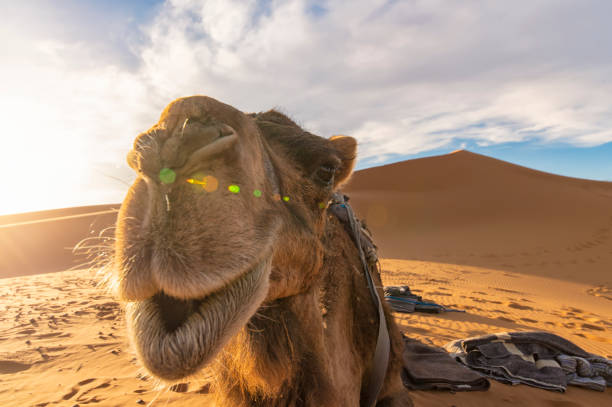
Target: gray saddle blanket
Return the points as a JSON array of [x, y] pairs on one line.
[[431, 368], [536, 358]]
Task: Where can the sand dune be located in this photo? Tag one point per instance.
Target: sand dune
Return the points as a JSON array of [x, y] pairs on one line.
[[41, 242], [465, 208], [517, 249]]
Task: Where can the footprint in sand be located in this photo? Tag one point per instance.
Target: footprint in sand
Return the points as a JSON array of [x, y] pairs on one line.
[[440, 293], [433, 280], [596, 320], [519, 306], [484, 301], [602, 291], [529, 320], [82, 398], [70, 394], [504, 290], [205, 389], [592, 327], [82, 312], [596, 338], [51, 335], [179, 387], [11, 366]]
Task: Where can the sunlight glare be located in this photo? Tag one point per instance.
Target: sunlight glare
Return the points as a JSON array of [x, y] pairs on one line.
[[45, 168]]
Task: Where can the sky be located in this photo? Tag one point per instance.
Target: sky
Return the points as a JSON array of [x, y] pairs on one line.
[[527, 82]]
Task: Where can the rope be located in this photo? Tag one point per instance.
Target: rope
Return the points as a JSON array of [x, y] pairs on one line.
[[383, 343]]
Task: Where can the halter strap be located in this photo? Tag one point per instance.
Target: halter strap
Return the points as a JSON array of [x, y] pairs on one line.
[[343, 211]]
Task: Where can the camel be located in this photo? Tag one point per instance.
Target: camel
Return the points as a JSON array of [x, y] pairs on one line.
[[228, 262]]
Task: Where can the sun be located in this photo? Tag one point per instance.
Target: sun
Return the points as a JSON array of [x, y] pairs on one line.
[[41, 165]]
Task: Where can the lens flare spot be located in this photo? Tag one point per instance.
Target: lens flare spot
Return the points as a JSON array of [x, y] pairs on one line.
[[210, 183], [286, 198], [276, 197], [257, 193], [234, 189], [196, 181], [322, 205], [167, 176]]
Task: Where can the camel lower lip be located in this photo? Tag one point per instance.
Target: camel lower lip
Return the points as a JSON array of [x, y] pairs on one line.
[[175, 312], [173, 349]]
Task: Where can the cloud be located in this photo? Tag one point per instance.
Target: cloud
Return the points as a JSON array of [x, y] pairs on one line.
[[401, 76], [406, 75]]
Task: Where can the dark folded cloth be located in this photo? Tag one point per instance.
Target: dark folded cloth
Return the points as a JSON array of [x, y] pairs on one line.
[[402, 291], [432, 368], [401, 299], [536, 358]]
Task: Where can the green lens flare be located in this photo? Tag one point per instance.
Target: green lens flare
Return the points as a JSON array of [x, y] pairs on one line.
[[322, 205], [257, 193], [286, 198], [167, 176], [234, 189]]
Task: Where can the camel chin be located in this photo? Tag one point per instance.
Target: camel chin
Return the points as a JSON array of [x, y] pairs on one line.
[[175, 338]]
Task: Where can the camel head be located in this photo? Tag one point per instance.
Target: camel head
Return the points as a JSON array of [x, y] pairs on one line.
[[226, 214]]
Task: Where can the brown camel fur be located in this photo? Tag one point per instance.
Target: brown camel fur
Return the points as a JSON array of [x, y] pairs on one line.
[[228, 261]]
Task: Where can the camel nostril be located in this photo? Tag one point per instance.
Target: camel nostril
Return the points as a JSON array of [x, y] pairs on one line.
[[202, 139], [207, 147]]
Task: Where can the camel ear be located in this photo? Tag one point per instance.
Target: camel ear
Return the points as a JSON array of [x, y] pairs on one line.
[[347, 150]]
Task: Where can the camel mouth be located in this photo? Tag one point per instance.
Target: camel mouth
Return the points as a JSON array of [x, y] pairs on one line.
[[174, 312], [175, 338]]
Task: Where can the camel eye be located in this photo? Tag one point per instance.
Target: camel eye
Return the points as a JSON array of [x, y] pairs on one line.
[[325, 174]]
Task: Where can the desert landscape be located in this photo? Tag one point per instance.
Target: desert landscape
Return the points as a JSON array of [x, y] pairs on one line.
[[515, 248]]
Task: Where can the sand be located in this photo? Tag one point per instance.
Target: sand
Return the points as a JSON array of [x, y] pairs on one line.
[[41, 242], [515, 248]]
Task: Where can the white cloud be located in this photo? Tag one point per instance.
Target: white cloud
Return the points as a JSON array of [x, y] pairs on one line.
[[377, 70], [402, 77]]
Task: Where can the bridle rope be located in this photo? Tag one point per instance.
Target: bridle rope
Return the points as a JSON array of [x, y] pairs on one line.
[[343, 211]]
